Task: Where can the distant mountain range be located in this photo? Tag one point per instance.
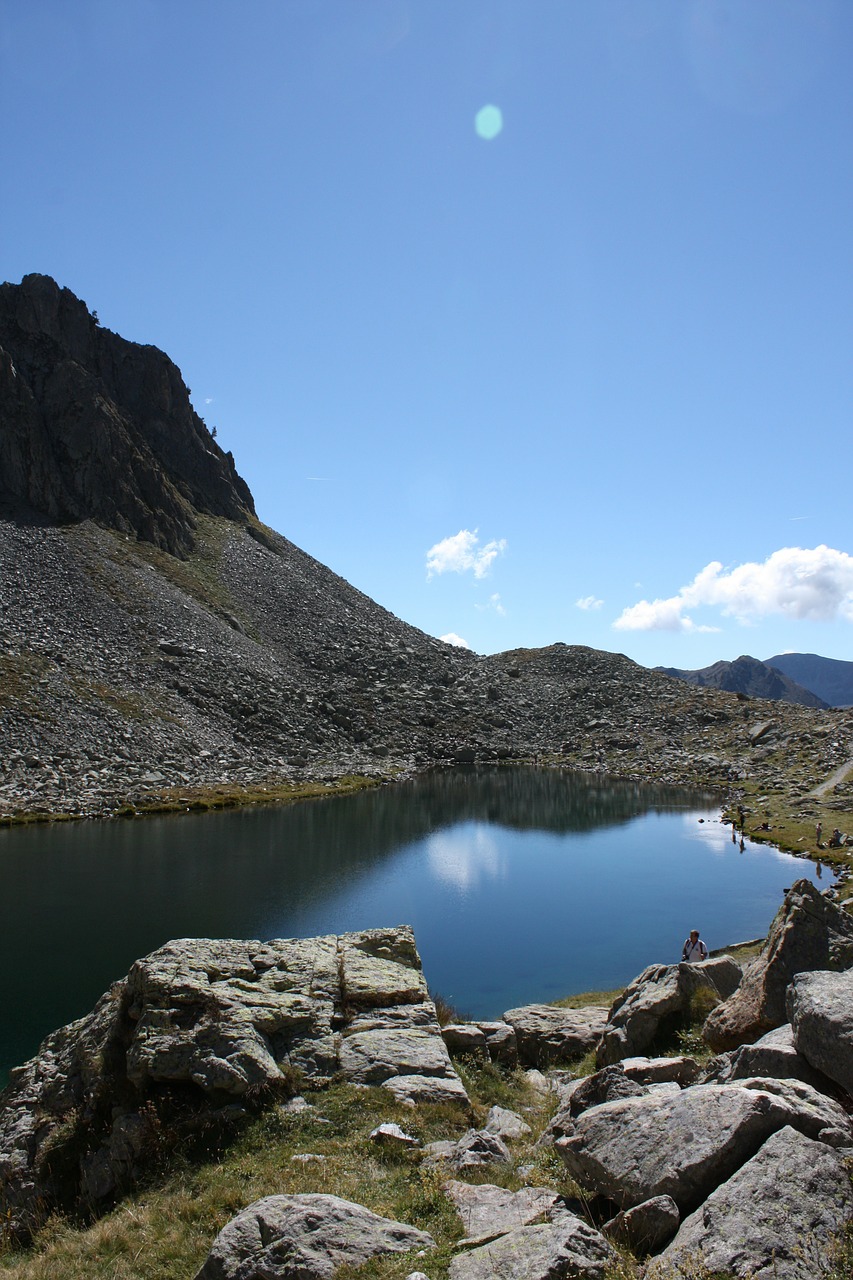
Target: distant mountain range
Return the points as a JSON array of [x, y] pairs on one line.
[[830, 678], [802, 678]]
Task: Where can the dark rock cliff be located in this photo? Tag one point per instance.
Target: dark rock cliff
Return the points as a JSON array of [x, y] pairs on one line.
[[96, 427]]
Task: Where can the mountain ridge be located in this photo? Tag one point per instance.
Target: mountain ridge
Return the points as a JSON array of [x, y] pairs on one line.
[[829, 678], [751, 677]]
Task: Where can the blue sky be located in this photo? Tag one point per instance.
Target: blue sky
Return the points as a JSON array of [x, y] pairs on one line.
[[586, 379]]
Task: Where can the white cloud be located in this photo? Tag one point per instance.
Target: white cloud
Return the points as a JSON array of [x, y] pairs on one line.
[[454, 639], [588, 602], [461, 552], [495, 603], [208, 399], [800, 583]]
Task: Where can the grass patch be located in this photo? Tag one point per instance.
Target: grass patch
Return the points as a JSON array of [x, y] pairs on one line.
[[166, 1228], [582, 999]]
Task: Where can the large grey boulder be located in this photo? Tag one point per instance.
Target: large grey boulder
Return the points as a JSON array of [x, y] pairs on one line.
[[775, 1219], [808, 932], [488, 1211], [775, 1055], [546, 1035], [812, 1112], [566, 1248], [224, 1022], [304, 1236], [683, 1145], [662, 995], [820, 1006]]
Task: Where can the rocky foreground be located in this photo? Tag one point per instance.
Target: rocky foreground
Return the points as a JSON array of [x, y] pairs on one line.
[[740, 1164]]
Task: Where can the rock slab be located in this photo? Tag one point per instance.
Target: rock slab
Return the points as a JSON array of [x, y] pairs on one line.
[[304, 1236], [775, 1219]]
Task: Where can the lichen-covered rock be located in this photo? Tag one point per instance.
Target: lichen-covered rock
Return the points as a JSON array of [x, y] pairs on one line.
[[310, 1236], [682, 1145], [662, 994], [820, 1006], [564, 1249], [546, 1035], [775, 1219], [808, 932], [222, 1021], [488, 1211], [774, 1055], [506, 1124]]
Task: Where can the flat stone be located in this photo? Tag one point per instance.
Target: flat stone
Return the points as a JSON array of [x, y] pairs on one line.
[[488, 1211]]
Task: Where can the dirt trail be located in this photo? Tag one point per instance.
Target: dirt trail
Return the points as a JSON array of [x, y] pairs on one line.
[[833, 780]]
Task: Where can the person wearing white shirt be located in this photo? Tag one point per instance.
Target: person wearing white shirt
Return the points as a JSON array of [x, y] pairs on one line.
[[694, 948]]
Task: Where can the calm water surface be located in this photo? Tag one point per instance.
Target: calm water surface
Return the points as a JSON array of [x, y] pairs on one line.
[[522, 885]]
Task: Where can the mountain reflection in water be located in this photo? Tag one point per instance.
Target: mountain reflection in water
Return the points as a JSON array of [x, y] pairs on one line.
[[522, 884]]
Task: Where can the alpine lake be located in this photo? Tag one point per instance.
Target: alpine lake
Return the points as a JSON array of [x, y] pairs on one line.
[[522, 885]]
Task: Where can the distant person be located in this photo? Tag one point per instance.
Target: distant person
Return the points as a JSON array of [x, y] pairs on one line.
[[694, 949], [817, 833]]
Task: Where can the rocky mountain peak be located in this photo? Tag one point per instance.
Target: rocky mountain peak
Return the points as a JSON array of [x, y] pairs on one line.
[[96, 427]]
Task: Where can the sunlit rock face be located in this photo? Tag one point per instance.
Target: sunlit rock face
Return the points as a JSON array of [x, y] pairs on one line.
[[206, 1027]]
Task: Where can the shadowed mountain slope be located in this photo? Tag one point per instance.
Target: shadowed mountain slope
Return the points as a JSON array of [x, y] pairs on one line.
[[829, 678], [748, 676]]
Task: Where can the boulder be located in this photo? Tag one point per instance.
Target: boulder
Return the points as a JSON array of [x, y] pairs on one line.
[[808, 932], [566, 1247], [546, 1035], [603, 1086], [812, 1112], [304, 1235], [506, 1124], [414, 1089], [820, 1006], [678, 1070], [647, 1226], [464, 1037], [662, 996], [501, 1043], [774, 1055], [488, 1211], [477, 1148], [775, 1219], [222, 1021], [683, 1146]]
